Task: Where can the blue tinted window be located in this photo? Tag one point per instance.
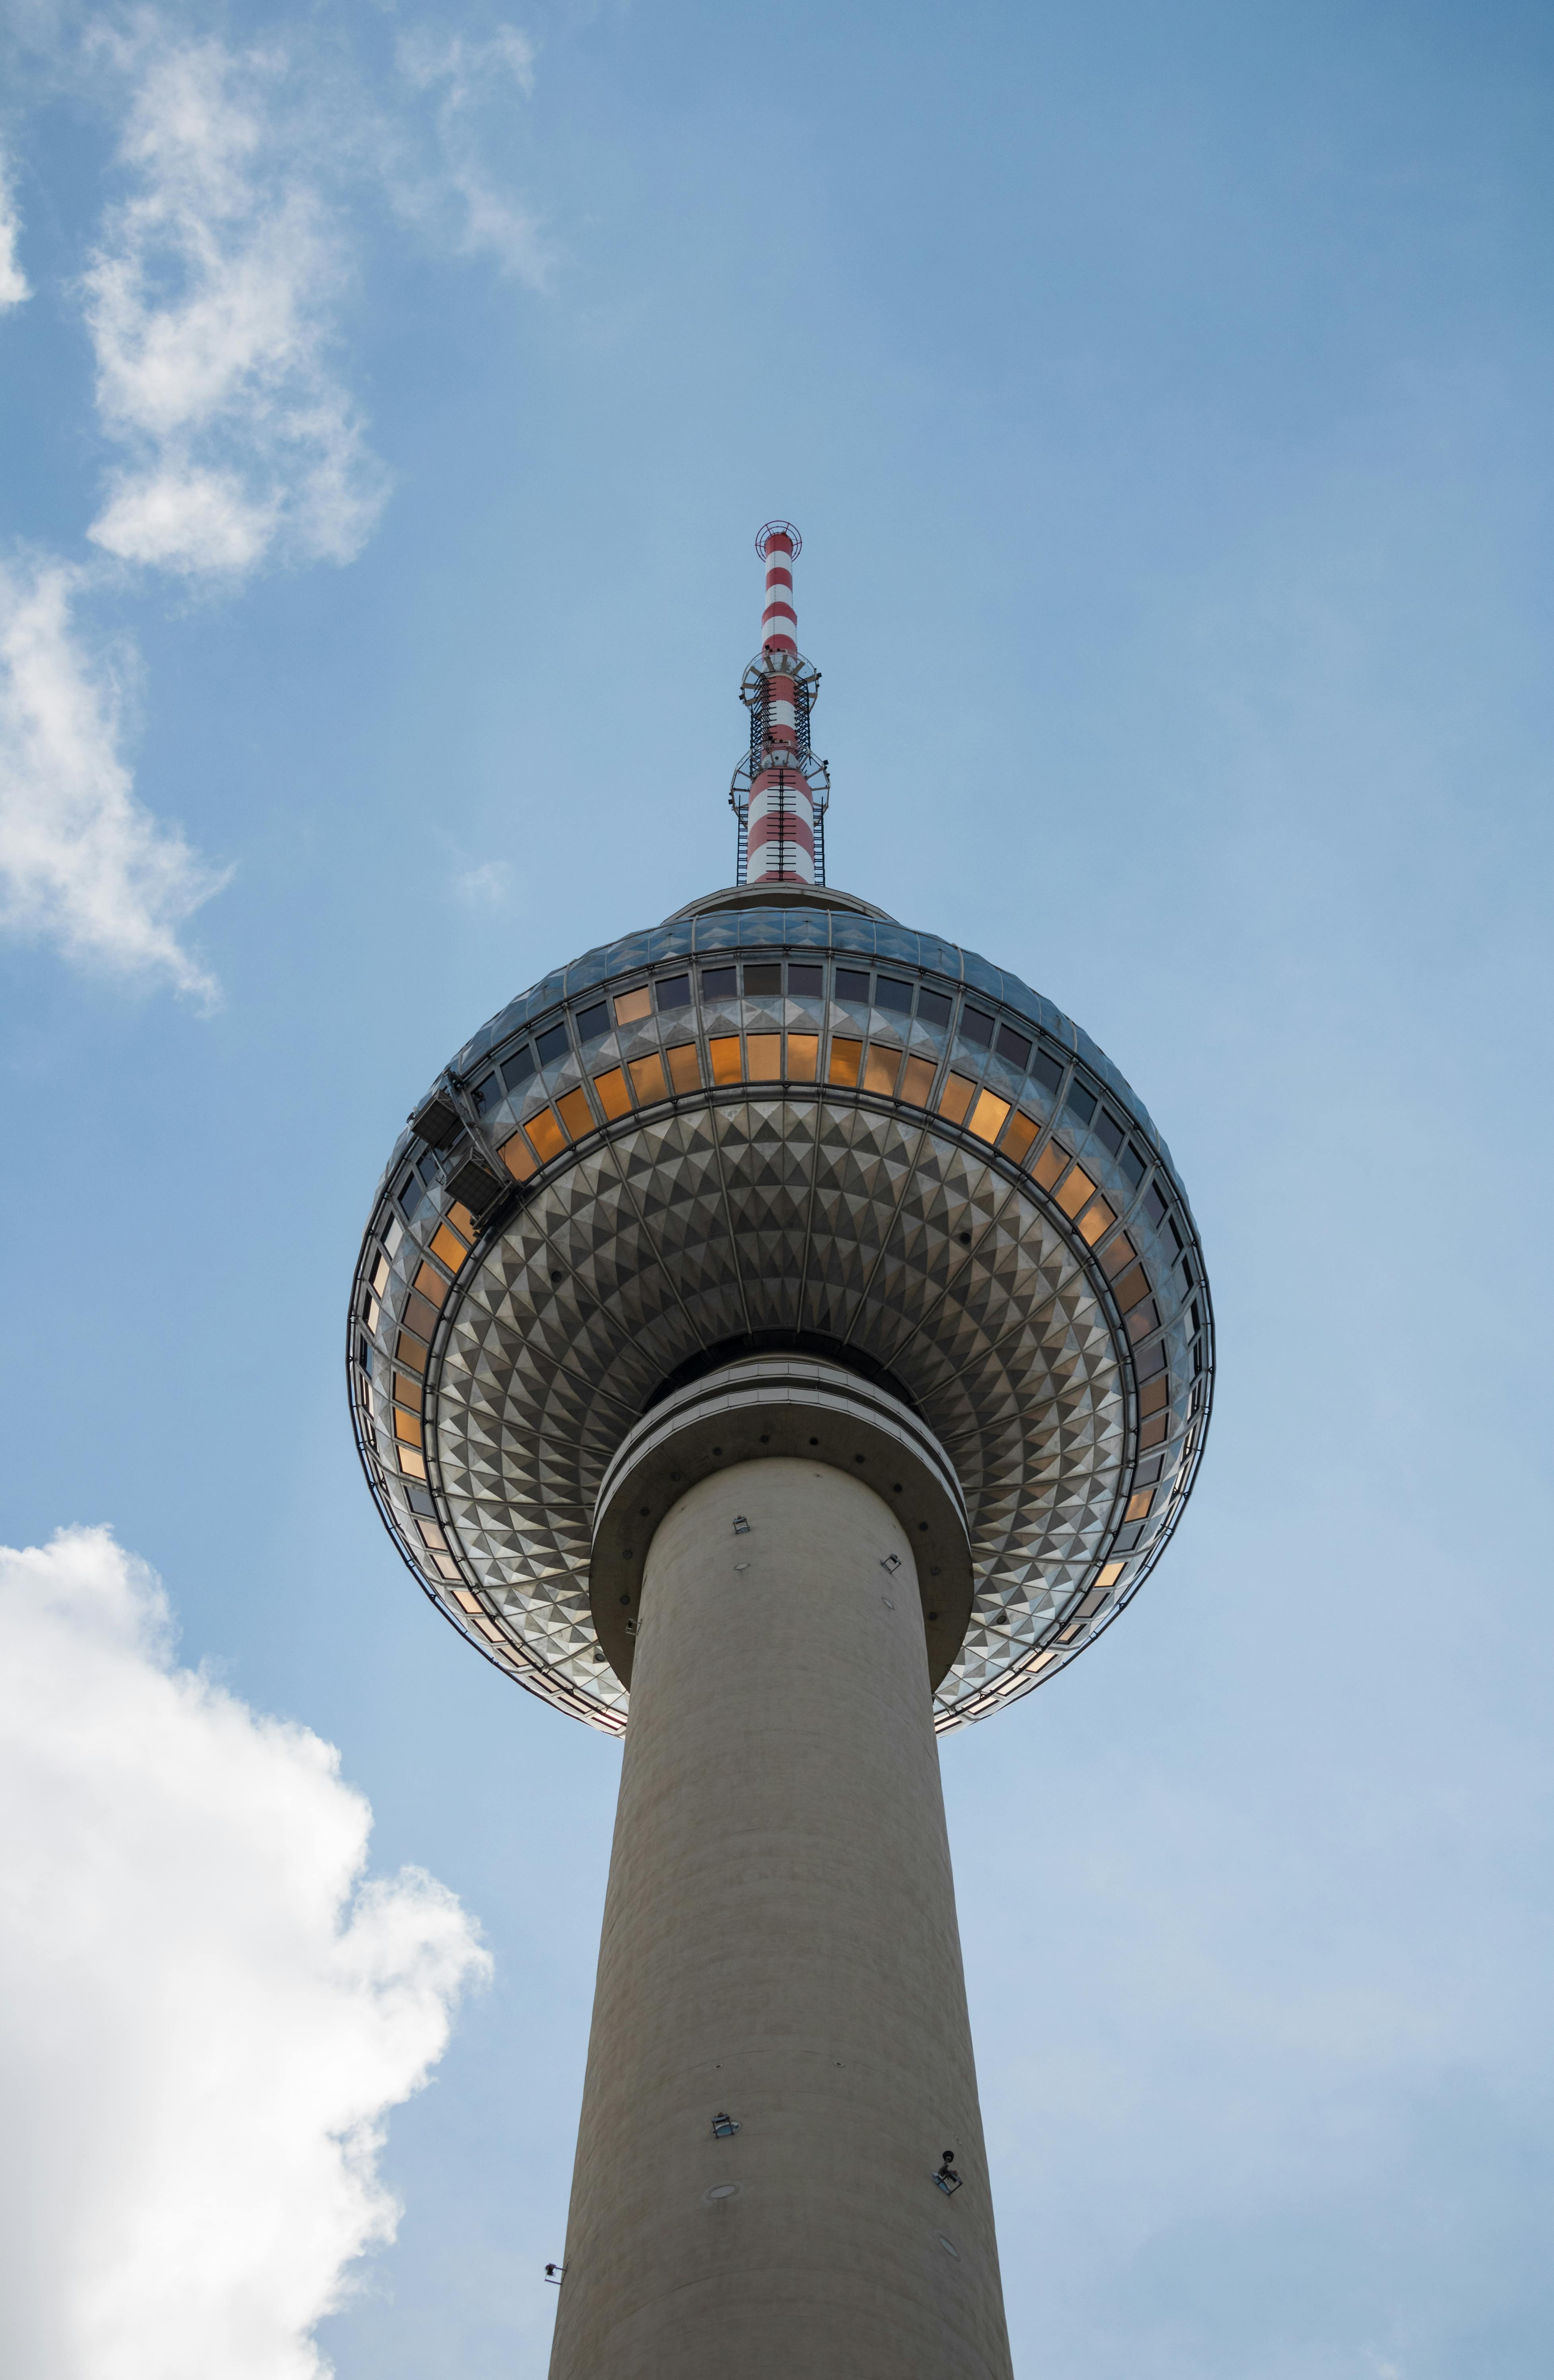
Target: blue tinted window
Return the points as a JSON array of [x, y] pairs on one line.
[[889, 993], [806, 982], [1080, 1102], [1046, 1069], [719, 983], [1155, 1205], [674, 991], [593, 1021], [487, 1093], [1012, 1046], [552, 1045], [977, 1027], [1109, 1132], [409, 1194], [851, 985], [933, 1008], [519, 1067], [1133, 1165]]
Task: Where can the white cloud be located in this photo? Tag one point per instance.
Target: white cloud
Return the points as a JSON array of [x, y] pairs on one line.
[[467, 75], [487, 886], [13, 281], [210, 301], [205, 2013], [82, 863]]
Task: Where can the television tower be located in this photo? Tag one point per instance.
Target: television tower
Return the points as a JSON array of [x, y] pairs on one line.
[[787, 1327]]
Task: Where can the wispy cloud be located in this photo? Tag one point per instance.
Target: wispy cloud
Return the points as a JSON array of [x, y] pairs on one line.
[[205, 2013], [465, 76], [487, 886], [14, 285], [210, 302], [82, 863]]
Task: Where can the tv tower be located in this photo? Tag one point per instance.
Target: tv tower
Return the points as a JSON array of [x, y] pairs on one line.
[[781, 1336]]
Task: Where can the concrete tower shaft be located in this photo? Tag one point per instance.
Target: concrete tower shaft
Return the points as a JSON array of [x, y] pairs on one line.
[[780, 1948]]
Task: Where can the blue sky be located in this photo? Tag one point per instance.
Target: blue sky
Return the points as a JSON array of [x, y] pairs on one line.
[[1163, 397]]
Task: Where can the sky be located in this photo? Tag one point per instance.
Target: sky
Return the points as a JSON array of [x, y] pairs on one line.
[[391, 397]]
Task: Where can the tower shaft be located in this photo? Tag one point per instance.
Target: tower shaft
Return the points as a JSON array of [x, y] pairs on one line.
[[782, 820], [780, 1947]]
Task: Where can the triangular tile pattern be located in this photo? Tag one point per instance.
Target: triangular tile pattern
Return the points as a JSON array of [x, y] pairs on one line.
[[769, 1213]]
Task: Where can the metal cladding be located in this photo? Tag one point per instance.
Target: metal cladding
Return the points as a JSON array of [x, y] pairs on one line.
[[768, 1129], [780, 792]]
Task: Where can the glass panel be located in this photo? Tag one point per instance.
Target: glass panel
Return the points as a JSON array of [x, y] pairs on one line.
[[575, 1113], [719, 983], [1111, 1573], [488, 1093], [765, 1055], [421, 1314], [518, 1068], [1138, 1506], [407, 1392], [406, 1427], [917, 1084], [1133, 1166], [467, 1599], [1018, 1139], [412, 1462], [675, 992], [883, 1066], [544, 1130], [804, 1056], [1080, 1102], [1134, 1284], [446, 1567], [1153, 1397], [552, 1045], [631, 1007], [380, 1273], [897, 997], [449, 1246], [1075, 1191], [977, 1027], [1143, 1319], [461, 1220], [1046, 1071], [647, 1078], [1012, 1046], [845, 1058], [432, 1536], [1109, 1132], [409, 1194], [806, 982], [410, 1351], [851, 985], [723, 1051], [761, 980], [933, 1008], [956, 1097], [593, 1021], [517, 1157], [613, 1096], [1154, 1428], [1122, 1252], [1096, 1222], [1153, 1206], [685, 1067], [430, 1283], [989, 1116]]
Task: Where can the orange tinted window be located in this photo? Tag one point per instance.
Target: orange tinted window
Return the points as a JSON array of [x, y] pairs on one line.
[[467, 1600], [380, 1273], [1018, 1139], [956, 1097], [410, 1352], [1111, 1574], [1077, 1188], [450, 1247], [882, 1067], [575, 1113], [647, 1079], [1154, 1429], [631, 1007], [406, 1391], [804, 1056], [724, 1054], [544, 1130], [917, 1084], [685, 1067], [845, 1058], [1134, 1284], [517, 1157], [1051, 1163], [406, 1426], [765, 1056], [1122, 1252], [411, 1461], [462, 1219], [1138, 1506], [1096, 1222], [613, 1096], [1153, 1395], [430, 1283], [989, 1116]]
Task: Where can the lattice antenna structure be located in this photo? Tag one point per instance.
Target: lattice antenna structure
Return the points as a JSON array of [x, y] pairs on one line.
[[780, 792]]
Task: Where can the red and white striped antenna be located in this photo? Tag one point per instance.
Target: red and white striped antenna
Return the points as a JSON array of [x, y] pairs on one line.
[[780, 792]]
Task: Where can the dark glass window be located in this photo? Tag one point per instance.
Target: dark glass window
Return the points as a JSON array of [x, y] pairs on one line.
[[421, 1502], [895, 996], [674, 991], [762, 979], [487, 1093], [977, 1027], [364, 1356], [933, 1008], [1080, 1102], [806, 982], [1012, 1046], [1133, 1165], [718, 983], [409, 1194], [593, 1021], [552, 1045], [518, 1067], [1109, 1132], [851, 985], [1155, 1205], [1046, 1070]]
